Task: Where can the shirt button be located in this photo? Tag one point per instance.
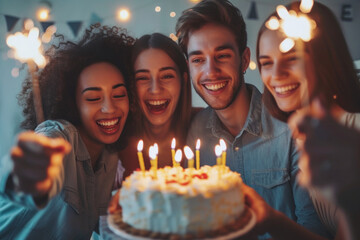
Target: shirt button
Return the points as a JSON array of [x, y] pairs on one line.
[[236, 148]]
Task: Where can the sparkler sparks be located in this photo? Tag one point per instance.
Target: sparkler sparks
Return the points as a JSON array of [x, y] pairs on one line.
[[294, 26]]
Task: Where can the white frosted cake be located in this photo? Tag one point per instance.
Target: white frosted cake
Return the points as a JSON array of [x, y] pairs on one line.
[[176, 203]]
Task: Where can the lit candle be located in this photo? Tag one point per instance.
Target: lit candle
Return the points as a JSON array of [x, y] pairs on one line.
[[197, 152], [178, 156], [173, 145], [223, 148], [140, 147], [152, 155], [190, 156], [218, 152], [156, 148]]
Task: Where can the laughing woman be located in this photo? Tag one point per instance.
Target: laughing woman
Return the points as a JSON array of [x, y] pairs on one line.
[[320, 68], [163, 99], [60, 177]]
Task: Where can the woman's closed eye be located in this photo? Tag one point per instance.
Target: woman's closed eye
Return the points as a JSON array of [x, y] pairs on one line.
[[119, 95], [92, 99]]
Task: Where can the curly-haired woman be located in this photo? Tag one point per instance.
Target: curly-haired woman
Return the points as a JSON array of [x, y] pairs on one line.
[[60, 177]]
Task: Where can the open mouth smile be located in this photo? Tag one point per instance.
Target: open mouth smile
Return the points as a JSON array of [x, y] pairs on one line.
[[287, 89], [215, 86], [109, 126], [157, 106]]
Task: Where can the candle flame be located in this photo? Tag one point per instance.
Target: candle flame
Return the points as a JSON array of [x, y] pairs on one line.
[[222, 144], [173, 143], [218, 150], [152, 152], [188, 152], [198, 144], [286, 45], [140, 146], [273, 23], [156, 148], [306, 5], [178, 155]]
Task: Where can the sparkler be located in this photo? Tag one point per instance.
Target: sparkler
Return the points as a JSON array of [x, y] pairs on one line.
[[27, 48], [294, 26]]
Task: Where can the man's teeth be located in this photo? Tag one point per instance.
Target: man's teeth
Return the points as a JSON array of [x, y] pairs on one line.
[[285, 89], [214, 87], [107, 123], [156, 102]]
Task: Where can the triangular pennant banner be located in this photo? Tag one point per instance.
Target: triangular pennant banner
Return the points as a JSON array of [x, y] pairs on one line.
[[45, 25], [253, 12], [75, 27], [10, 22], [94, 18]]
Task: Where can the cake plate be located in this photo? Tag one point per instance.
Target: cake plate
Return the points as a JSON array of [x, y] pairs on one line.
[[116, 225]]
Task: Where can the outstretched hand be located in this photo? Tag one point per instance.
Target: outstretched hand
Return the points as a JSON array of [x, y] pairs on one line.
[[37, 161], [330, 153]]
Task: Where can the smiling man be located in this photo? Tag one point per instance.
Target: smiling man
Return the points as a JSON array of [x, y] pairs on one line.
[[213, 36]]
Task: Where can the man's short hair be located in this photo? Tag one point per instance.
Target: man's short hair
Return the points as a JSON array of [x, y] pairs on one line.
[[220, 12]]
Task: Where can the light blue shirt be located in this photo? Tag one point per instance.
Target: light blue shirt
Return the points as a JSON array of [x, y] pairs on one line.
[[77, 199], [264, 154]]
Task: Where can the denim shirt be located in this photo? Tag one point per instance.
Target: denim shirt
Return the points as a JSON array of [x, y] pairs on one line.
[[264, 154], [77, 199]]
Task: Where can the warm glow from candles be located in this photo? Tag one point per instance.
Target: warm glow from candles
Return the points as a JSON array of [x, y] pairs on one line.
[[157, 9], [197, 148], [218, 152], [173, 143], [306, 5], [178, 157], [222, 144], [153, 161], [172, 14], [223, 148], [198, 144], [140, 146], [190, 156], [152, 153], [273, 23], [156, 148], [286, 45], [188, 152]]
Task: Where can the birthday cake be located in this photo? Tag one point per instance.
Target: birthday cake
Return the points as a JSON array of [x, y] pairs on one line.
[[182, 201]]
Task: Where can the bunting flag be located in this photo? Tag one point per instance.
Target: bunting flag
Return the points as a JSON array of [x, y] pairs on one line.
[[10, 22], [94, 18], [75, 27], [253, 12], [45, 25]]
